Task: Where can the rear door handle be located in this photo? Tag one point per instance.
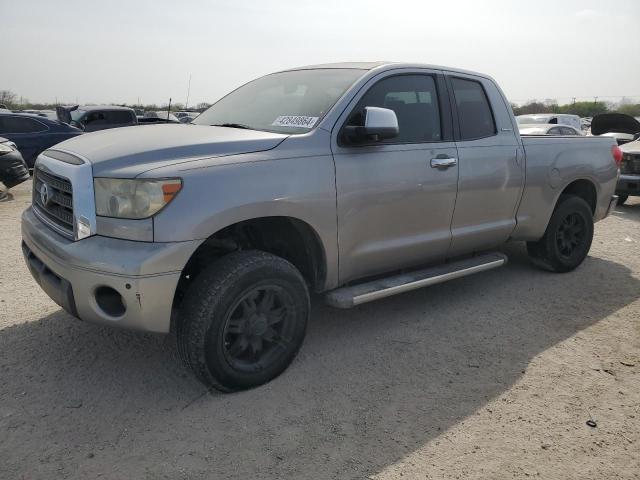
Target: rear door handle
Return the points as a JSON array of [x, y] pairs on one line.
[[443, 162]]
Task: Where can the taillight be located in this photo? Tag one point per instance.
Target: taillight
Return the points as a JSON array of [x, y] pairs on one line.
[[617, 155]]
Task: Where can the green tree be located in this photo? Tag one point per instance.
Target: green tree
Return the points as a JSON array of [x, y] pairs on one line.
[[583, 109], [630, 109]]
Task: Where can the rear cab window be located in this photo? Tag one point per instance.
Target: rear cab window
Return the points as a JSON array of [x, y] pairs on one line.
[[475, 116]]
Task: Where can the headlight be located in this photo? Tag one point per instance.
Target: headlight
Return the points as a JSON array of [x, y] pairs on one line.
[[5, 148], [137, 199]]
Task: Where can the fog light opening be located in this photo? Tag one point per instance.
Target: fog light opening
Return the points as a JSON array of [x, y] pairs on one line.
[[110, 301]]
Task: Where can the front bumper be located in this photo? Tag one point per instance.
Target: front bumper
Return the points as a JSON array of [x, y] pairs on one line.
[[628, 184], [75, 274]]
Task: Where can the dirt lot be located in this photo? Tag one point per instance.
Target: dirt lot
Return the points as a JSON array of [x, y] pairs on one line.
[[491, 376]]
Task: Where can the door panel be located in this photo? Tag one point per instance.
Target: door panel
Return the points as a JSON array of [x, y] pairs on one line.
[[491, 168], [394, 208], [489, 188]]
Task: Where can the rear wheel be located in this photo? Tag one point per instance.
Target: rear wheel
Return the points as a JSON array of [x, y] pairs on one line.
[[568, 237], [243, 321], [622, 199]]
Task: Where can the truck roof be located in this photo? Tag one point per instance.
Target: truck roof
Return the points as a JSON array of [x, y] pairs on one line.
[[384, 65], [88, 108]]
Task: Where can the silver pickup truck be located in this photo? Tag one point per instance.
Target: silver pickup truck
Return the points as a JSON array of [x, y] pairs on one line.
[[357, 181]]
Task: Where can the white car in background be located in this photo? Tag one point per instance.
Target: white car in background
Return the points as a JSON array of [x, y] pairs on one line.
[[553, 118], [548, 129]]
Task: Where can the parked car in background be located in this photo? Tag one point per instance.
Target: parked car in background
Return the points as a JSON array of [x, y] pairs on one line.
[[13, 170], [161, 117], [548, 129], [359, 181], [50, 114], [553, 118], [629, 181], [97, 117], [34, 134], [620, 126], [187, 117]]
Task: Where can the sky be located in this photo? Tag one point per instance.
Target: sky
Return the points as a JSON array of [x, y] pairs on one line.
[[122, 51]]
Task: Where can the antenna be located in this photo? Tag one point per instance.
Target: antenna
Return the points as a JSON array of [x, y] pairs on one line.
[[169, 109], [186, 104]]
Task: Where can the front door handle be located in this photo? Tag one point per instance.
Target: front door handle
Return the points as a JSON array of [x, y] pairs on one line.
[[443, 162]]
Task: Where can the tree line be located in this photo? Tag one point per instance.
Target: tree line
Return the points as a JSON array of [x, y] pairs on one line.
[[582, 109], [13, 102]]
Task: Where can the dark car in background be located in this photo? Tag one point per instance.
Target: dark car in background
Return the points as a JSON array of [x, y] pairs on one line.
[[92, 118], [620, 126], [13, 170], [33, 134]]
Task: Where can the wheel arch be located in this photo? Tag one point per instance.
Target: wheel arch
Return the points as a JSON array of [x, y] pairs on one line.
[[288, 237], [584, 188]]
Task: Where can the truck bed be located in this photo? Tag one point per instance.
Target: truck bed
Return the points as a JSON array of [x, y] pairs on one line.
[[549, 162]]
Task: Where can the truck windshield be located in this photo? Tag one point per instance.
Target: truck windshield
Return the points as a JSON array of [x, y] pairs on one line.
[[287, 102]]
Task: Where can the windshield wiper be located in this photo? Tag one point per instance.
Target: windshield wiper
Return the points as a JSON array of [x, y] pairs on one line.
[[233, 125]]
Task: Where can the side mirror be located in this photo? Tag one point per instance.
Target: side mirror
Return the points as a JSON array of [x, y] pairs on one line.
[[379, 124]]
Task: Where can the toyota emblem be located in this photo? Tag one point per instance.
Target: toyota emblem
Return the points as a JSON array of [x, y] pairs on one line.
[[45, 196]]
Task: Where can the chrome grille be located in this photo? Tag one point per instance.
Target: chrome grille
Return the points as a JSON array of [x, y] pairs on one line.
[[58, 210], [630, 163]]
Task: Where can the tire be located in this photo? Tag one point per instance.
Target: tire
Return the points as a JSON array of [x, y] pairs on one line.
[[568, 237], [243, 320], [622, 199]]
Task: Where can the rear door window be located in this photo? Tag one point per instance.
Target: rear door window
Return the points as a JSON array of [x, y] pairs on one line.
[[10, 124], [475, 117], [118, 117]]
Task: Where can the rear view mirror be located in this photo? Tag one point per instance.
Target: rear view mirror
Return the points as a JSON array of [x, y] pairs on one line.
[[379, 124]]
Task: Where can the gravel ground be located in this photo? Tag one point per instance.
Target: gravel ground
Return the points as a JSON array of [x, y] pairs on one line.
[[491, 376]]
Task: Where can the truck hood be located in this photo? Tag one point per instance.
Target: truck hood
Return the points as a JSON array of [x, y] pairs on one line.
[[614, 123], [129, 151]]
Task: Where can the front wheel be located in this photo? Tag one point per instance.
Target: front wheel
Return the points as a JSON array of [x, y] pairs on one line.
[[568, 237], [243, 321]]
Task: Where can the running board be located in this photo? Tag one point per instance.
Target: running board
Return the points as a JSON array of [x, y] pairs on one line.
[[347, 297]]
